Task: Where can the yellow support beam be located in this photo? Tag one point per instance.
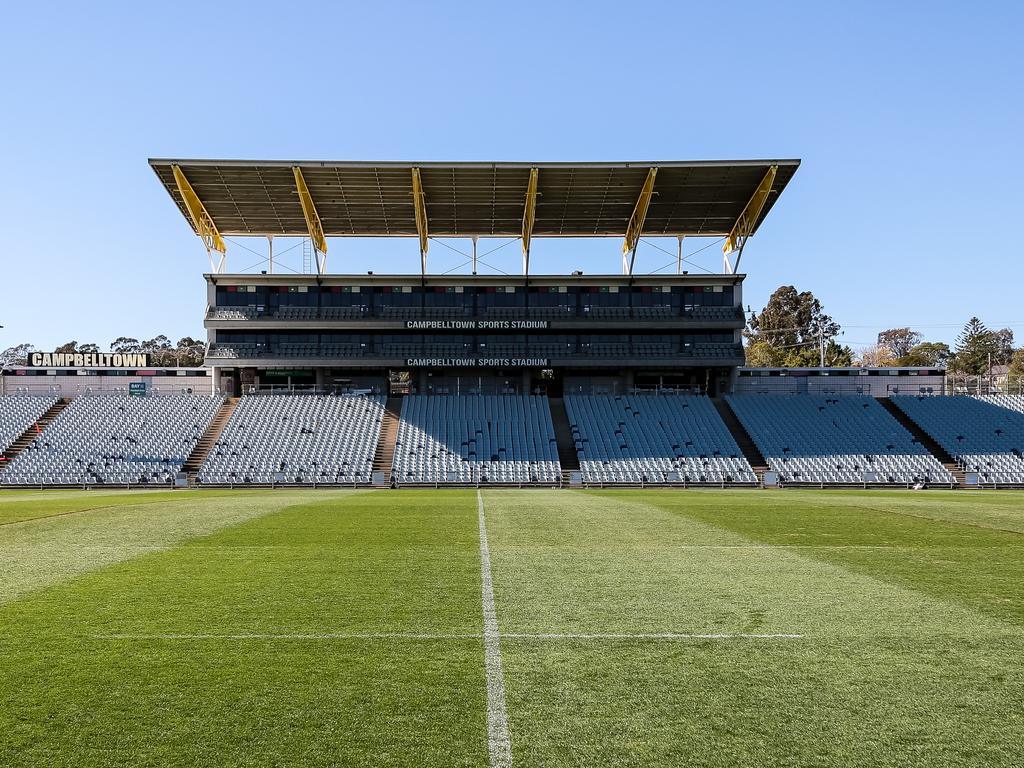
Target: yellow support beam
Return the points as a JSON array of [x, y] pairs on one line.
[[420, 209], [636, 222], [201, 220], [316, 230], [529, 211], [747, 220]]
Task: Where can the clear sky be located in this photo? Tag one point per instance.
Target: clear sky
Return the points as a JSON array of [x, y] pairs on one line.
[[907, 116]]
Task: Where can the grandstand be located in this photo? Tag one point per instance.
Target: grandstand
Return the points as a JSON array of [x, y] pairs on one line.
[[641, 439], [314, 378], [114, 439], [984, 435], [287, 439], [835, 440], [497, 439]]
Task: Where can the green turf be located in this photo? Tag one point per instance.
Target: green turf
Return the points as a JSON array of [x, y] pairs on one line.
[[343, 628]]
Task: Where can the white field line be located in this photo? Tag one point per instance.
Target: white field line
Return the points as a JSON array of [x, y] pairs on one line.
[[451, 636], [499, 744], [295, 636], [648, 636]]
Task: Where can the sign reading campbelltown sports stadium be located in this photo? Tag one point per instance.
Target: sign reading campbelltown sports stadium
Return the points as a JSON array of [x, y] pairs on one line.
[[477, 362], [477, 325], [89, 360]]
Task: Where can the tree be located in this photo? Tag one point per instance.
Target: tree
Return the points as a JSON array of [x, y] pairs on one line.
[[124, 344], [159, 350], [977, 348], [761, 354], [876, 356], [190, 352], [791, 328], [927, 354], [17, 355], [1016, 377], [899, 341], [72, 347]]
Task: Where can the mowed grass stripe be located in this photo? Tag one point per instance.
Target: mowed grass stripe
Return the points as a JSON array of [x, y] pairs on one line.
[[39, 553], [931, 546], [886, 674], [21, 509], [360, 564]]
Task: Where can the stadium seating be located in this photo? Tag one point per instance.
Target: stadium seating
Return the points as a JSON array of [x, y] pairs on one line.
[[654, 439], [475, 438], [18, 413], [115, 439], [835, 440], [297, 439], [981, 434], [1012, 402]]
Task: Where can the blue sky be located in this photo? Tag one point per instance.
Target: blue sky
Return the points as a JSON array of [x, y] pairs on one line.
[[907, 117]]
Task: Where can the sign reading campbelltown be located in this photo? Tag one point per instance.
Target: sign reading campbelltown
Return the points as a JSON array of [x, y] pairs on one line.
[[477, 362], [477, 325], [89, 360]]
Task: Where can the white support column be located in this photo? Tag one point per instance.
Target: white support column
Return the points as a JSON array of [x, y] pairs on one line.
[[679, 256], [270, 254], [475, 238]]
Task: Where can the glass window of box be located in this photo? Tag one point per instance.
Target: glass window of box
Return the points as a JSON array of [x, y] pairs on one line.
[[500, 296], [657, 296], [448, 296], [603, 296], [344, 296], [554, 296]]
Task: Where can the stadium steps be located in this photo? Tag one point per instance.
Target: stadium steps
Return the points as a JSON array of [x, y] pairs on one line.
[[567, 456], [29, 435], [384, 456], [739, 433], [210, 436], [924, 439]]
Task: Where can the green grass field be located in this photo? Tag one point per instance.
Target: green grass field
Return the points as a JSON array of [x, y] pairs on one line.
[[634, 628]]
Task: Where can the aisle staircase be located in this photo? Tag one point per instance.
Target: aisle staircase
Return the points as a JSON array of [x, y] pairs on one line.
[[384, 456], [924, 439], [739, 433], [567, 456], [29, 435], [209, 439]]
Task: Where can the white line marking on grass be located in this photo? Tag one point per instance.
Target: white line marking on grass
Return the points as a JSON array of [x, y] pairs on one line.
[[498, 742], [296, 636], [449, 636], [647, 636]]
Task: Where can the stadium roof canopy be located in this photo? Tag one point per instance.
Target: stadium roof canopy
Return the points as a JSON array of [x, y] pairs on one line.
[[320, 199]]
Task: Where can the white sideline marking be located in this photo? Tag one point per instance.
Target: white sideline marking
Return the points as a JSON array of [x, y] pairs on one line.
[[648, 636], [498, 743], [452, 636], [297, 636]]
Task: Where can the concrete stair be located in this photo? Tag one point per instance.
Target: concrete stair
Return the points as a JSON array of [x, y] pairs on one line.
[[924, 439], [739, 433], [26, 438], [210, 437], [384, 455], [567, 455]]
